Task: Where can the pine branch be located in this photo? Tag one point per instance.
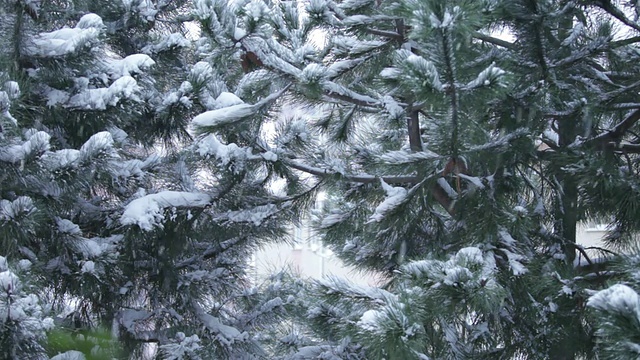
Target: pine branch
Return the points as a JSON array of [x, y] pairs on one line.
[[388, 34], [368, 30], [627, 148], [617, 132], [611, 95], [440, 194], [492, 40], [358, 178], [624, 42], [602, 249], [211, 252], [349, 99], [607, 6]]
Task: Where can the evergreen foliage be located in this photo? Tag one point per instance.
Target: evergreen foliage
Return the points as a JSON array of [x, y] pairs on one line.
[[130, 227], [458, 164], [141, 168]]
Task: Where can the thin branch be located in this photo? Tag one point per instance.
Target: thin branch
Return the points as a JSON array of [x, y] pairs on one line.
[[602, 249], [617, 132], [624, 42], [387, 34], [582, 251], [624, 147], [439, 194], [607, 6], [383, 33], [613, 94], [549, 143], [210, 252], [349, 99], [626, 106], [358, 178], [490, 39]]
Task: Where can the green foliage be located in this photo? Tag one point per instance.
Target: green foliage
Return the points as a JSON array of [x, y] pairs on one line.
[[437, 126], [94, 344]]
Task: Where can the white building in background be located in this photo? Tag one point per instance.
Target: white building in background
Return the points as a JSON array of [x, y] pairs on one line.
[[308, 258], [590, 235]]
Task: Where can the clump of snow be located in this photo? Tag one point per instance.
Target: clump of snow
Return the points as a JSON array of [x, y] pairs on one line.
[[223, 116], [145, 9], [132, 64], [88, 267], [351, 45], [406, 157], [37, 143], [226, 99], [119, 136], [270, 156], [65, 158], [68, 227], [334, 218], [515, 262], [455, 275], [255, 11], [210, 145], [98, 144], [12, 89], [147, 211], [67, 40], [226, 335], [5, 105], [392, 107], [520, 210], [9, 282], [70, 355], [135, 168], [96, 247], [239, 33], [618, 299], [468, 268], [125, 87], [390, 73], [89, 21], [395, 197], [469, 255], [184, 348], [24, 264], [255, 215], [12, 210], [369, 320], [55, 96]]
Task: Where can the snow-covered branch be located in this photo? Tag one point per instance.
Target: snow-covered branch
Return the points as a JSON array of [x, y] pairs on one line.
[[359, 178]]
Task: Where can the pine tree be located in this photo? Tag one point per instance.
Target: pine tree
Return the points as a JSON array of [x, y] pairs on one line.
[[458, 164], [130, 228]]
